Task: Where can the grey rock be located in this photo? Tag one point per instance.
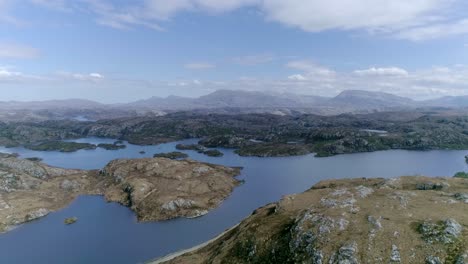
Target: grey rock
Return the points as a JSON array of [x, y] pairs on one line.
[[303, 238], [461, 197], [9, 181], [375, 222], [41, 212], [452, 228], [433, 260], [178, 203], [26, 166], [364, 191], [395, 257], [429, 186], [70, 185], [462, 259], [345, 255], [446, 232]]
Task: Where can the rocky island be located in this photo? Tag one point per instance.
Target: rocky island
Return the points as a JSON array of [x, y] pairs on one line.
[[62, 146], [263, 135], [401, 220], [200, 149], [155, 188]]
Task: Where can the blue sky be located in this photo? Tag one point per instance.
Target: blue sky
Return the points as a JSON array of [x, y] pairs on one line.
[[116, 51]]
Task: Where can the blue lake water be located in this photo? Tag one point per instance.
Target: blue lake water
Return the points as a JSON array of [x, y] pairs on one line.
[[109, 233]]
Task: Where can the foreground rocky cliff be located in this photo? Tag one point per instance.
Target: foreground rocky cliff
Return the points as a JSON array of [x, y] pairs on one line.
[[156, 189], [402, 220]]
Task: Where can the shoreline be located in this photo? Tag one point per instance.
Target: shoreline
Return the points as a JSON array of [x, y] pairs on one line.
[[176, 254]]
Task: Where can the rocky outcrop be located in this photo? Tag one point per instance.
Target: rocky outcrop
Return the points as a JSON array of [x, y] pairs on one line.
[[160, 189], [155, 189], [351, 221]]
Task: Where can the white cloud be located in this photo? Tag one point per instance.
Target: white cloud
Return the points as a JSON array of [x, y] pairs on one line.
[[96, 75], [391, 71], [6, 74], [17, 51], [434, 31], [353, 14], [297, 77], [199, 66], [310, 68], [413, 20], [89, 77]]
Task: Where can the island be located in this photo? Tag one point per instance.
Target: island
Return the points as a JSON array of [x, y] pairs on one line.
[[200, 149], [115, 146], [62, 146], [154, 188], [171, 155], [262, 135], [350, 221], [70, 220]]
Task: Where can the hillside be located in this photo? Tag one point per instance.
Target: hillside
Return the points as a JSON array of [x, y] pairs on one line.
[[401, 220]]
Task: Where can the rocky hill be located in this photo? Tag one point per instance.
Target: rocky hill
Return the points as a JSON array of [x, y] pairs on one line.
[[161, 189], [156, 189], [401, 220], [370, 100]]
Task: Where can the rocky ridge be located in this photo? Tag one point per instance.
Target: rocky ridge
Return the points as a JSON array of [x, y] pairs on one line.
[[352, 221]]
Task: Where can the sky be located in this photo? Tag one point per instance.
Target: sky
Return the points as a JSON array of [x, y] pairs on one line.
[[120, 51]]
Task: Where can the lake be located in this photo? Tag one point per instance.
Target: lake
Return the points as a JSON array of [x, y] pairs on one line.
[[109, 233]]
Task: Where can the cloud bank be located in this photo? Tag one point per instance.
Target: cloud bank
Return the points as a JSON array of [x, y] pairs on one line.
[[413, 20], [310, 79]]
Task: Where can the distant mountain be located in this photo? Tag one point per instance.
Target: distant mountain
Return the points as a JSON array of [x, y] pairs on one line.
[[225, 101], [51, 104], [170, 102], [370, 100], [448, 101], [243, 99], [231, 99]]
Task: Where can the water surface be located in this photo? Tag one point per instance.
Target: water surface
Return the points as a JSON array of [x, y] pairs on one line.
[[109, 233]]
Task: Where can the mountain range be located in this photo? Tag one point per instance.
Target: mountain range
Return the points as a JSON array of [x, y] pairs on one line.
[[346, 101]]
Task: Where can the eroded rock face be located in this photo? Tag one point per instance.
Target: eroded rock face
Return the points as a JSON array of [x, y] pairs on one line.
[[41, 212], [352, 221], [155, 189]]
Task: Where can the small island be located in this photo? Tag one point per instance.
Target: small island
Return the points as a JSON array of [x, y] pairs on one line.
[[114, 146], [62, 146], [171, 155], [200, 149], [70, 220]]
